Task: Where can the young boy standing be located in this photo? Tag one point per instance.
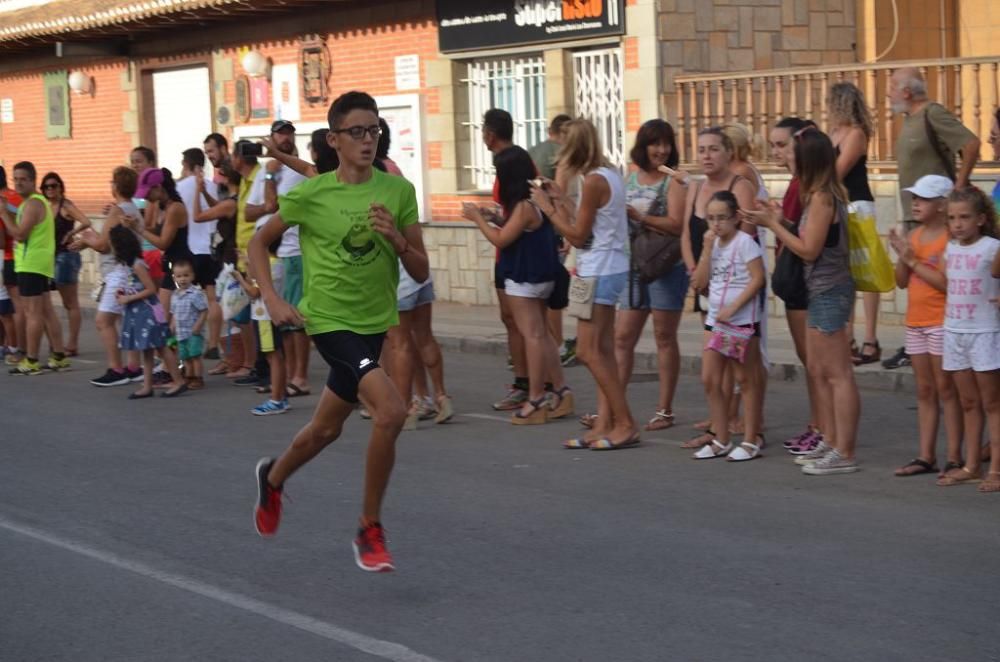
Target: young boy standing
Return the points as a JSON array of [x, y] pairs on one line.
[[355, 223], [188, 312]]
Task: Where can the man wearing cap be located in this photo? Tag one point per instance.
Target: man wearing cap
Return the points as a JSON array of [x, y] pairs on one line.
[[34, 230], [279, 180]]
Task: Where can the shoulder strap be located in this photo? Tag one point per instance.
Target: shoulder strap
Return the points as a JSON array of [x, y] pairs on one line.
[[736, 178], [946, 160]]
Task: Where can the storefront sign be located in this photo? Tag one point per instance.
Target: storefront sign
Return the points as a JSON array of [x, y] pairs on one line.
[[285, 89], [260, 106], [407, 72], [7, 111], [464, 25]]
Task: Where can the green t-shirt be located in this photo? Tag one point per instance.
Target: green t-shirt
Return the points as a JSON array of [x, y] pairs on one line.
[[350, 272], [37, 253], [544, 156]]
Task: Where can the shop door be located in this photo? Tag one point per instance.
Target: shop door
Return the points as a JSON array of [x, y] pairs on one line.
[[599, 96], [182, 112]]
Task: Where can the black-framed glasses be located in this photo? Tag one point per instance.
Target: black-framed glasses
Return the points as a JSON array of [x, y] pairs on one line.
[[358, 132]]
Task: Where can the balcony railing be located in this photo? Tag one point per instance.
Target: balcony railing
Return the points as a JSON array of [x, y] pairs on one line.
[[969, 87]]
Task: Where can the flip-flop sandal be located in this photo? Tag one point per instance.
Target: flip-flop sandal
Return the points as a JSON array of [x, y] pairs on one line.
[[713, 449], [990, 485], [700, 440], [294, 391], [702, 425], [220, 369], [918, 467], [661, 420], [950, 466], [966, 477], [605, 444], [577, 444]]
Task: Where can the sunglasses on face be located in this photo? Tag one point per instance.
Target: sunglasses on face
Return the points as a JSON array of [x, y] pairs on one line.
[[51, 185], [358, 132]]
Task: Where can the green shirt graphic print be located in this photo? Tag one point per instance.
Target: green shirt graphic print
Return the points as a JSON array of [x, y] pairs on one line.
[[350, 272]]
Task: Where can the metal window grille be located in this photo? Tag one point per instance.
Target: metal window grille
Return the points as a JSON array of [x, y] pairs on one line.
[[599, 96], [516, 85]]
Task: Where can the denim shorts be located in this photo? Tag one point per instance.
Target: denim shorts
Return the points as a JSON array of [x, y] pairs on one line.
[[609, 288], [68, 268], [665, 293], [830, 310], [421, 297]]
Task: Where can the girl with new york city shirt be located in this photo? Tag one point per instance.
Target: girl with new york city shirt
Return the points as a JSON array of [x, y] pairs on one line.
[[972, 329]]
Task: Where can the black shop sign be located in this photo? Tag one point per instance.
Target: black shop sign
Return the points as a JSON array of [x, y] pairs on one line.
[[465, 25]]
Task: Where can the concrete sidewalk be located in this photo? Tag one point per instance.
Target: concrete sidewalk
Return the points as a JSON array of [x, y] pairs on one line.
[[477, 329]]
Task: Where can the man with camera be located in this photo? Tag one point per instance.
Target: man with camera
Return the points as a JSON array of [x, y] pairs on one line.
[[279, 180]]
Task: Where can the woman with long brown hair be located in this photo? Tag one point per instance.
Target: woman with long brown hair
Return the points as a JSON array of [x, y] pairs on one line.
[[822, 245]]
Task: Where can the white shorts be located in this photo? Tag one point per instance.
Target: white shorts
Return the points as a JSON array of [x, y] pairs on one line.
[[114, 280], [529, 290], [971, 351]]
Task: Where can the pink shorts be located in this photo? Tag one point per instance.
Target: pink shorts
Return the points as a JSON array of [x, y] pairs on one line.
[[925, 340]]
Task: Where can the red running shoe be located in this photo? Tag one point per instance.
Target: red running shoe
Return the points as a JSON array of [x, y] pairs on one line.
[[267, 511], [370, 552]]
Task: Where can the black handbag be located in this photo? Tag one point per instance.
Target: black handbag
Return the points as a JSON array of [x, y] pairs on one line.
[[559, 299], [788, 279]]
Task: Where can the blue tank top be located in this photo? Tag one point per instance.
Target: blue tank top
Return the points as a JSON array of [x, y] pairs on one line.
[[534, 257]]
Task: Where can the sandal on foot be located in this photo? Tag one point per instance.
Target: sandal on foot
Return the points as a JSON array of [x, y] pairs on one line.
[[566, 403], [702, 425], [445, 410], [700, 440], [220, 368], [958, 477], [916, 466], [539, 413], [712, 449], [949, 467], [874, 357], [588, 420], [990, 485], [605, 444], [293, 391], [577, 444], [744, 452], [661, 420]]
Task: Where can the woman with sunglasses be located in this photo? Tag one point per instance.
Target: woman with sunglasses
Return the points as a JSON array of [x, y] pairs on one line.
[[69, 221], [822, 244]]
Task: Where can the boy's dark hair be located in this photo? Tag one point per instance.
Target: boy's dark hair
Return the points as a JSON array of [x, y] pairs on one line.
[[125, 245], [514, 168], [183, 263], [326, 156], [384, 140], [126, 181], [147, 152], [558, 121], [29, 168], [249, 159], [193, 158], [500, 123], [650, 133], [347, 102], [219, 140]]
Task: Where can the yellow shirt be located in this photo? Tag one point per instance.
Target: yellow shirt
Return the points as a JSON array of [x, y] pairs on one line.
[[245, 228]]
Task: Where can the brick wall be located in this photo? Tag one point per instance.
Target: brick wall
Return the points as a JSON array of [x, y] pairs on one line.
[[98, 141]]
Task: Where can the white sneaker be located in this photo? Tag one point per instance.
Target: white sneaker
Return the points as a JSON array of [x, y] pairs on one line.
[[815, 454], [832, 463]]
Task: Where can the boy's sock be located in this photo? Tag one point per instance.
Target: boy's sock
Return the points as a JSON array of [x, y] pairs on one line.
[[58, 356], [521, 383]]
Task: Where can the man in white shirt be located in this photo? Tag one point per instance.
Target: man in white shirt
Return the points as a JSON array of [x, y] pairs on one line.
[[279, 180], [206, 267]]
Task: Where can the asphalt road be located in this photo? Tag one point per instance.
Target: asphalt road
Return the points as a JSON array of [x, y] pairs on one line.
[[126, 534]]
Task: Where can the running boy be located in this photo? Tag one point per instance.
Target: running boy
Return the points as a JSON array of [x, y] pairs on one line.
[[353, 224], [188, 312]]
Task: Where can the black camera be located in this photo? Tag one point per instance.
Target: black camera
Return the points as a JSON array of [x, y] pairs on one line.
[[247, 148]]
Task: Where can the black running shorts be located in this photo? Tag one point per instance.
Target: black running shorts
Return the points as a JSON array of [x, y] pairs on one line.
[[350, 356], [32, 285]]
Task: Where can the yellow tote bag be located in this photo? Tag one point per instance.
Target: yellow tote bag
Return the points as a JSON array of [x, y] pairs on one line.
[[870, 265]]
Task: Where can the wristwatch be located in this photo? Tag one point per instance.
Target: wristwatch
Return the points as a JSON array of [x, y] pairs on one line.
[[269, 176]]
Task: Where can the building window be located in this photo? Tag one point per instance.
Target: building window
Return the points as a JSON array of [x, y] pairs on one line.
[[599, 96], [515, 84]]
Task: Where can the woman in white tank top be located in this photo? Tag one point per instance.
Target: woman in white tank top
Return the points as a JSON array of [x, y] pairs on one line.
[[599, 231]]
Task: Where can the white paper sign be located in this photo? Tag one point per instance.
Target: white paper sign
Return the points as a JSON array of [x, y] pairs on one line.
[[7, 111], [407, 72], [285, 90]]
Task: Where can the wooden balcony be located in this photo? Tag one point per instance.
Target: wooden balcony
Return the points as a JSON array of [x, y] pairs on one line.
[[969, 87]]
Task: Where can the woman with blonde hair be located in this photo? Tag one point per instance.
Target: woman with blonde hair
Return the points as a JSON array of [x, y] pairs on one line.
[[598, 229], [851, 129]]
